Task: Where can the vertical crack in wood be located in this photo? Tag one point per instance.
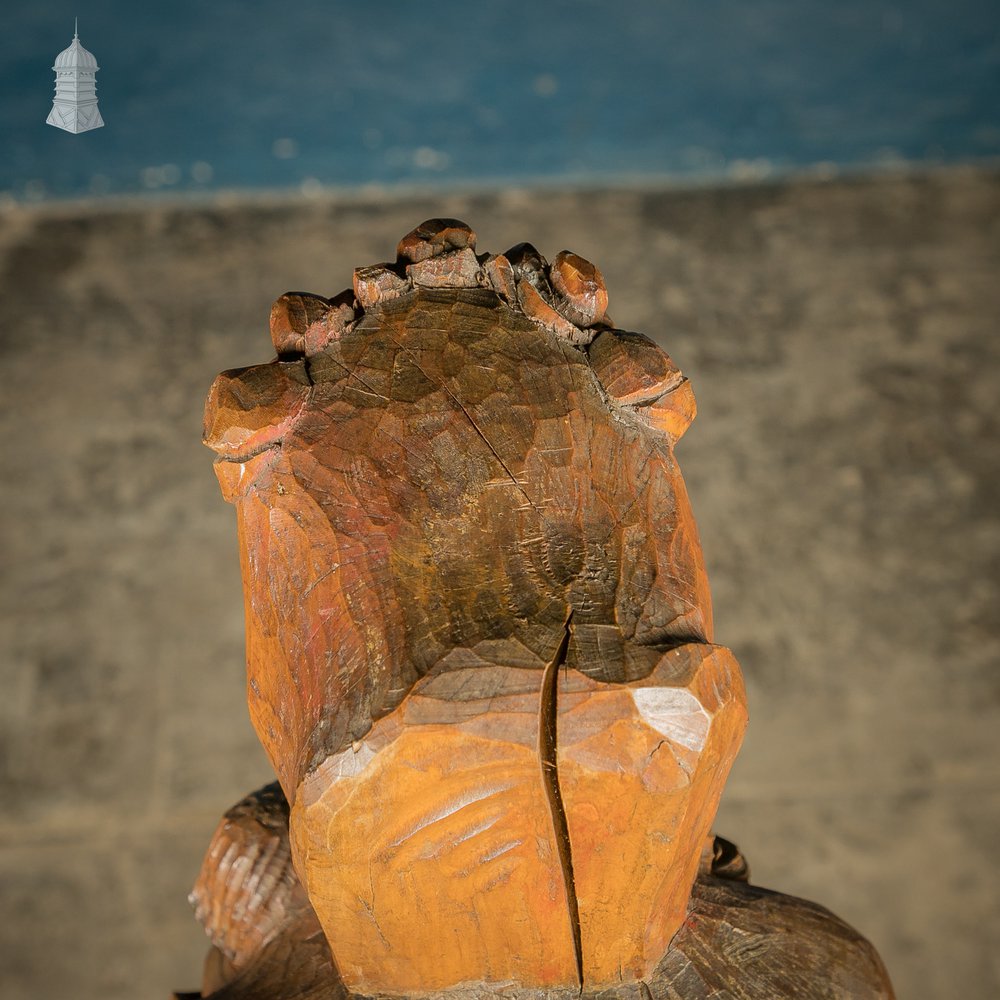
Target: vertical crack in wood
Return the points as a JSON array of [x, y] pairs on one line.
[[547, 749]]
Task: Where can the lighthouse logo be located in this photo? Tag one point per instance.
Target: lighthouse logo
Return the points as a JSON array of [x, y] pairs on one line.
[[75, 106]]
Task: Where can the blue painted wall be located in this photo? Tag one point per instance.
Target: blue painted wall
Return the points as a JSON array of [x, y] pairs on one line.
[[268, 94]]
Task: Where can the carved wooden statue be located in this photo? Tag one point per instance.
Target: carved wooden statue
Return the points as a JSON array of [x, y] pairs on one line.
[[479, 647]]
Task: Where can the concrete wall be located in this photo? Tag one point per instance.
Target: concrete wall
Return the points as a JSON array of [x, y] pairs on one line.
[[844, 468]]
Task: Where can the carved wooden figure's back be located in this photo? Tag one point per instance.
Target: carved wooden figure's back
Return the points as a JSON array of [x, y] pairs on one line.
[[479, 634]]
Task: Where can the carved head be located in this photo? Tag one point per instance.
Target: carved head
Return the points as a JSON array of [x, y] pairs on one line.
[[455, 458]]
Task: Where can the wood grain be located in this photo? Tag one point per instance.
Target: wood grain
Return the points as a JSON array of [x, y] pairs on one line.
[[737, 941], [479, 649], [445, 498], [641, 768], [454, 874], [452, 475]]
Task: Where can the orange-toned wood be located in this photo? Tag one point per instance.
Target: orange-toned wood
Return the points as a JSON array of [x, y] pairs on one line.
[[249, 410], [631, 367], [450, 474], [535, 306], [428, 848], [377, 283], [445, 505], [500, 275], [672, 412], [641, 768], [736, 940], [469, 844], [637, 374], [435, 237], [580, 286], [291, 316], [478, 648]]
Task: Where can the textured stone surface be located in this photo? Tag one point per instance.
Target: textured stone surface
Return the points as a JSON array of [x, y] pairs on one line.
[[843, 467]]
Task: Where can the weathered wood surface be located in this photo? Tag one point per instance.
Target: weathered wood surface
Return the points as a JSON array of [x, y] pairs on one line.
[[247, 893], [641, 768], [436, 829], [468, 844], [445, 474], [737, 942], [478, 634]]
